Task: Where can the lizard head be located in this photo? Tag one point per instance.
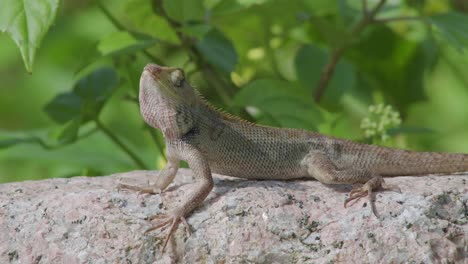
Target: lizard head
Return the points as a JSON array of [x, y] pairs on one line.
[[167, 82], [165, 97]]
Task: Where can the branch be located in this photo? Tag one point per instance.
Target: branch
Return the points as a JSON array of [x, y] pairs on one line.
[[329, 69]]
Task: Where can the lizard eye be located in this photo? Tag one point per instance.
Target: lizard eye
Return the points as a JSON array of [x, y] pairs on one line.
[[177, 78]]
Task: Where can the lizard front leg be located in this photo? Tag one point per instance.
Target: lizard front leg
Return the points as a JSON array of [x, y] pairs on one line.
[[323, 169], [165, 177], [201, 189]]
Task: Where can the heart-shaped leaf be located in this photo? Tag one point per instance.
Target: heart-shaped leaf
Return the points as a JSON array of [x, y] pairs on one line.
[[27, 21]]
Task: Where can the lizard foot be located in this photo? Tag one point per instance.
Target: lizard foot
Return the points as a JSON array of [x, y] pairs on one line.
[[366, 190], [165, 220], [148, 190]]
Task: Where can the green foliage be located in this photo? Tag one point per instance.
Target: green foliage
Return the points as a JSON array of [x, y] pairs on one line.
[[218, 50], [86, 99], [309, 64], [27, 22], [278, 103], [184, 10], [453, 27]]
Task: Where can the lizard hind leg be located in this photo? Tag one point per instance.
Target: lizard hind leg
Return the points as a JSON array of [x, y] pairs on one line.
[[322, 168]]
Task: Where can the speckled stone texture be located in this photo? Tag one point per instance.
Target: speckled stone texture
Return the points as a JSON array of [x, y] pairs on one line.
[[87, 220]]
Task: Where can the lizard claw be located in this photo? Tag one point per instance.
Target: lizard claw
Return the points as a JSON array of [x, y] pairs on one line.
[[366, 190], [164, 221], [358, 193]]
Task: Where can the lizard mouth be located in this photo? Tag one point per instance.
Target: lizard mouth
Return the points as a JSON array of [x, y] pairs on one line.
[[153, 69]]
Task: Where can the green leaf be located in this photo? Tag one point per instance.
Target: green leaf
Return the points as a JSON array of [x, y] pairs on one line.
[[94, 90], [122, 43], [64, 107], [10, 139], [218, 50], [248, 3], [224, 7], [198, 31], [349, 11], [309, 64], [69, 132], [6, 143], [47, 139], [454, 27], [87, 98], [184, 10], [26, 22], [143, 18], [281, 103], [321, 7], [334, 34]]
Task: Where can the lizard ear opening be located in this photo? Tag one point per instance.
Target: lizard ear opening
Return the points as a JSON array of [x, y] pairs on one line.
[[177, 78]]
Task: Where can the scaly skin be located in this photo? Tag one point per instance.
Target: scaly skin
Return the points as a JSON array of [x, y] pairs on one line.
[[212, 141]]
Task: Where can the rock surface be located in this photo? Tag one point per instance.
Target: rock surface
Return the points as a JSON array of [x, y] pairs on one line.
[[86, 220]]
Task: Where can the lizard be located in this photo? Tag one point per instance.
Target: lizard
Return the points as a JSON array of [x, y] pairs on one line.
[[212, 141]]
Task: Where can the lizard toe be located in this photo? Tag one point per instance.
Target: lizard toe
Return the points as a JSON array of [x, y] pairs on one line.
[[164, 221]]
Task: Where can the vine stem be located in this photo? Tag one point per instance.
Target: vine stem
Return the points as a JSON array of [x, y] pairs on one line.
[[119, 143]]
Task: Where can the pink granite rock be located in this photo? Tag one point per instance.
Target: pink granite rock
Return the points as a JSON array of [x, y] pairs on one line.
[[86, 220]]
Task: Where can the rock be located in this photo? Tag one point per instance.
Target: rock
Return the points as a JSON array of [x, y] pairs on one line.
[[87, 220]]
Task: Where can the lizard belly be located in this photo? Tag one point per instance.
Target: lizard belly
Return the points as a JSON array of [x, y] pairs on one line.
[[278, 161]]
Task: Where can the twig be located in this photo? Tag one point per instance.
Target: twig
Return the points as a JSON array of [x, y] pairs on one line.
[[329, 69], [364, 7]]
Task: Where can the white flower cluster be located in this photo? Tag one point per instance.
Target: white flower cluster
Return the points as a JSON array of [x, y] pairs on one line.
[[381, 118]]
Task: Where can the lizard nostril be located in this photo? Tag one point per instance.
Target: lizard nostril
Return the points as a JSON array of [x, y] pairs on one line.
[[152, 68]]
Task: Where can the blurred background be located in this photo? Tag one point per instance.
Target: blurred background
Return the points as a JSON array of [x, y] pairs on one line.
[[397, 74]]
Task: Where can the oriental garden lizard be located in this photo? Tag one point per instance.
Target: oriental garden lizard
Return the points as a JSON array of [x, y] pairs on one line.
[[211, 141]]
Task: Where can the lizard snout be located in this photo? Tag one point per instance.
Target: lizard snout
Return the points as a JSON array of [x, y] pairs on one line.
[[152, 68]]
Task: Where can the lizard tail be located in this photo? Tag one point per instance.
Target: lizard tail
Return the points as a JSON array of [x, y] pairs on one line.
[[391, 162]]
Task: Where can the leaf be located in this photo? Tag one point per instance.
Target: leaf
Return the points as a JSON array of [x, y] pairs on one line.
[[309, 64], [349, 11], [87, 98], [454, 27], [281, 102], [122, 43], [26, 22], [45, 138], [143, 18], [223, 7], [10, 139], [69, 133], [64, 107], [198, 31], [321, 7], [184, 10], [218, 50], [334, 34]]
